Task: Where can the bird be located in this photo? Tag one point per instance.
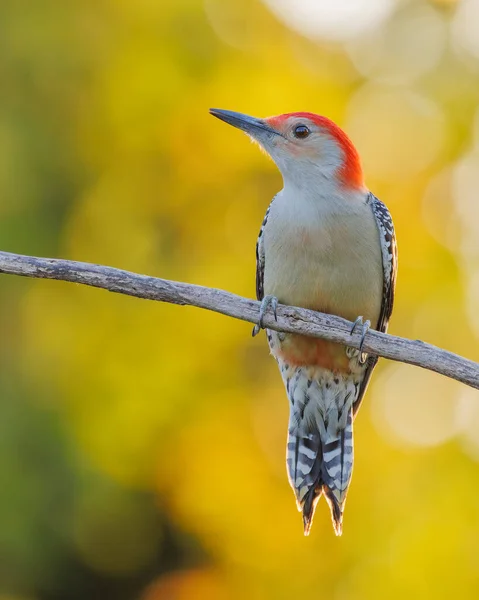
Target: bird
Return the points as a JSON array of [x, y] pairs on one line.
[[327, 244]]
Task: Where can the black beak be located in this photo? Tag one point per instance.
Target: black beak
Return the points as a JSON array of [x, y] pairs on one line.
[[250, 125]]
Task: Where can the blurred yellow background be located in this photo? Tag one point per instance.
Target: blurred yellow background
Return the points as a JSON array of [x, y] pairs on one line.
[[142, 445]]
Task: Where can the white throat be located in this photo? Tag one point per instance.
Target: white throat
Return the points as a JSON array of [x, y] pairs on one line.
[[313, 170]]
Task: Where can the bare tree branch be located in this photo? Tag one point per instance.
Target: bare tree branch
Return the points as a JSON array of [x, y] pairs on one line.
[[290, 319]]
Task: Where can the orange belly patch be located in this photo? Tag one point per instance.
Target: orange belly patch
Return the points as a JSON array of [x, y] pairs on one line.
[[301, 351]]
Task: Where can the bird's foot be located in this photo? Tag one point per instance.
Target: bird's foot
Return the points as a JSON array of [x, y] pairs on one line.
[[265, 304], [364, 329]]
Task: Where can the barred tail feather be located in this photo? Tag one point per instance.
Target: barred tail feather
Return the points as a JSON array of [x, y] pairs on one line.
[[304, 461], [336, 509], [320, 460], [336, 470]]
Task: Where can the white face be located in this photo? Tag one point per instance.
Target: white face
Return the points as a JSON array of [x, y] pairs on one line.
[[308, 149], [302, 149]]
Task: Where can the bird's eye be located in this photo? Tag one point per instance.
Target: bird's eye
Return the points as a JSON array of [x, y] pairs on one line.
[[301, 131]]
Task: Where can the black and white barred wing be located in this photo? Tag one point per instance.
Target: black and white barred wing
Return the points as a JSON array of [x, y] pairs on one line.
[[389, 253], [260, 258], [390, 258]]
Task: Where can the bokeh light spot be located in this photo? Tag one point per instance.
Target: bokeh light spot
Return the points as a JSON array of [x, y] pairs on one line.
[[468, 421], [438, 211], [465, 27], [330, 19], [398, 132], [405, 411], [404, 49]]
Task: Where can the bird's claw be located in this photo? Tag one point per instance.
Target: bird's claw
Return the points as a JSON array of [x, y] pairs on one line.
[[364, 329], [265, 304]]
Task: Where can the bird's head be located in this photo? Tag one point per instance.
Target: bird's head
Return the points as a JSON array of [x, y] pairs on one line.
[[306, 147]]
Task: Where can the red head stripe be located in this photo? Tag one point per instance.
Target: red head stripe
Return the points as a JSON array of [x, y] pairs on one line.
[[351, 172]]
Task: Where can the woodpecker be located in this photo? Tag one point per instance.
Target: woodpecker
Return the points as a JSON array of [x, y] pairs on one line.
[[326, 244]]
